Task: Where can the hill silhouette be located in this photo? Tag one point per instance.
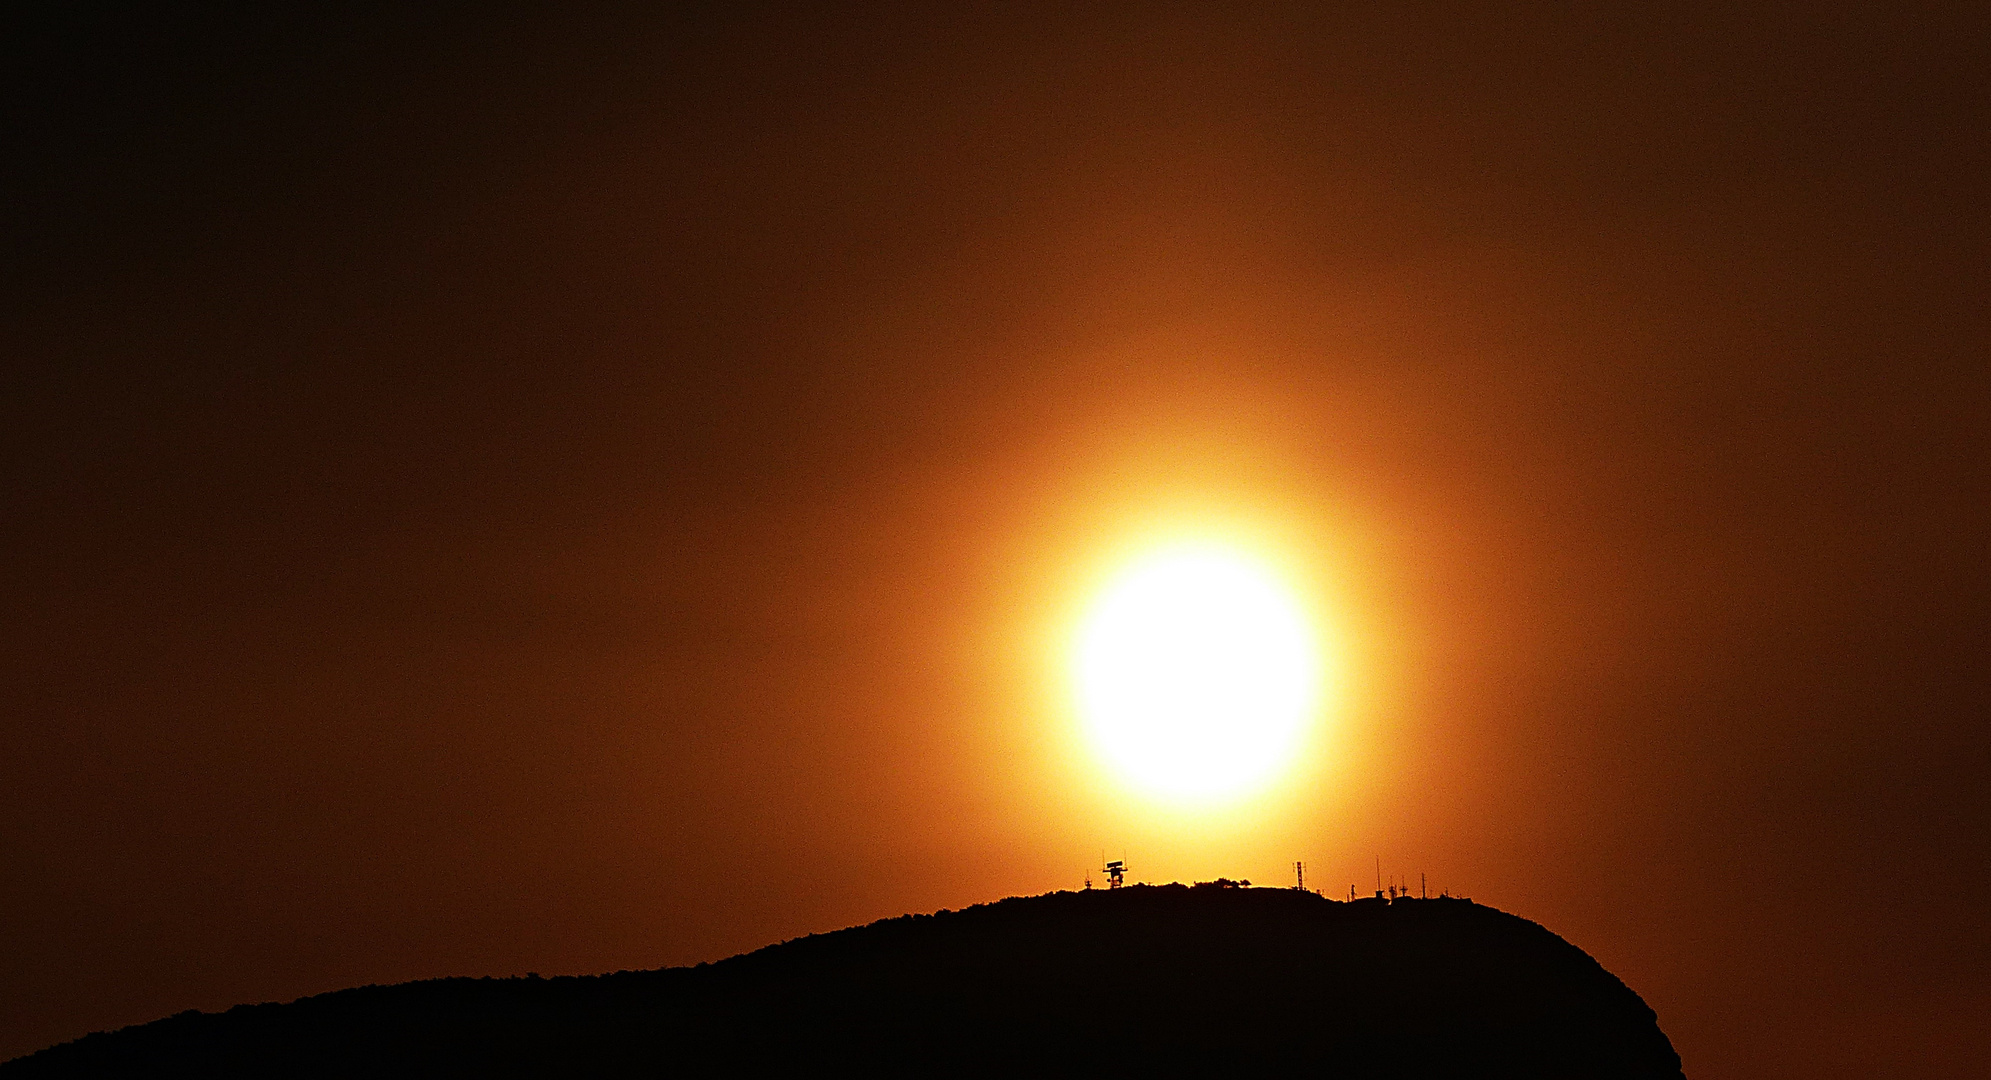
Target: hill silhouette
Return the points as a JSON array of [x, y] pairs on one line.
[[1162, 980]]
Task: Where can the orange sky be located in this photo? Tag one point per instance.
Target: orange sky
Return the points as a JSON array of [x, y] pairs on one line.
[[493, 495]]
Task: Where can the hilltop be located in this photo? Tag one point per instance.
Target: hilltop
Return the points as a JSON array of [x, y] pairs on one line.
[[1165, 980]]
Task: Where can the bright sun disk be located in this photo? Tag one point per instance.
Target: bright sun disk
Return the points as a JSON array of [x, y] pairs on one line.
[[1196, 673]]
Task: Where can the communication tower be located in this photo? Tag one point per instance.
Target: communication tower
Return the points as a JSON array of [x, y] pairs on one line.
[[1116, 873], [1300, 876]]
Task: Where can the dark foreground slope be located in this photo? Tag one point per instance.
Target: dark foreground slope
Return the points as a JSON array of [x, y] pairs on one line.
[[1167, 980]]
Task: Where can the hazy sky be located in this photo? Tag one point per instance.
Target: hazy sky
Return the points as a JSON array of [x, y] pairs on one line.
[[503, 492]]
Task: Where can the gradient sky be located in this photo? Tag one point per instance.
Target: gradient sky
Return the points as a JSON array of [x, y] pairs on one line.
[[490, 493]]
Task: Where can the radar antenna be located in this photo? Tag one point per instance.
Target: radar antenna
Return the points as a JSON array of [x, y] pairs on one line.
[[1116, 873]]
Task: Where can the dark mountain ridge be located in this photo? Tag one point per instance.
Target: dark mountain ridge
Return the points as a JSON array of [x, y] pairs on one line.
[[1169, 980]]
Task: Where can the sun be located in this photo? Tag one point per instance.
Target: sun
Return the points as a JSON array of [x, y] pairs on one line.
[[1196, 673]]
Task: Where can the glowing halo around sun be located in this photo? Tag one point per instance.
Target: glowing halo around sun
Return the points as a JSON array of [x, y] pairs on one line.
[[1196, 673]]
